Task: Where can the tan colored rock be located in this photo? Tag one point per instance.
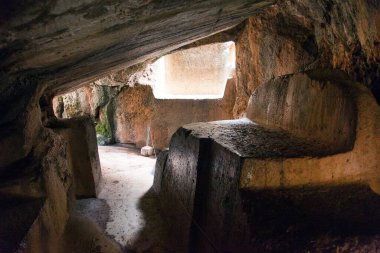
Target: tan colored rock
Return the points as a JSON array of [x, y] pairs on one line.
[[293, 36], [49, 225], [360, 165], [67, 43], [146, 151], [309, 106], [199, 72], [83, 155], [137, 109], [257, 62], [84, 101], [273, 189]]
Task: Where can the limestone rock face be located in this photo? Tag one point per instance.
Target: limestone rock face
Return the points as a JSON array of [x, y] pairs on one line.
[[41, 181], [83, 158], [137, 109], [308, 106], [128, 110], [51, 47], [69, 42], [84, 101], [294, 36], [244, 186]]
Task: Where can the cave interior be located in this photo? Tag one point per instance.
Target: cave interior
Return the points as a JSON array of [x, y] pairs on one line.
[[260, 120]]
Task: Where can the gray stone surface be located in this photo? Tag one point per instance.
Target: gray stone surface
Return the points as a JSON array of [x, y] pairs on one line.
[[201, 182], [248, 139], [208, 211], [17, 216], [83, 154], [159, 170], [316, 106], [178, 186], [105, 35]]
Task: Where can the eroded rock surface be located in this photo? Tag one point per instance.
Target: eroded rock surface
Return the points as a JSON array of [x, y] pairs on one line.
[[137, 109], [237, 186], [83, 155], [105, 36], [309, 106], [49, 47], [294, 36], [129, 109]]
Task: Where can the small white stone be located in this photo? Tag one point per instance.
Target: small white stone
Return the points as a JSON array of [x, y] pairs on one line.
[[147, 151]]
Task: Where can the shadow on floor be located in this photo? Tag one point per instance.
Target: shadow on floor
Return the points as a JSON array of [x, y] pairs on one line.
[[84, 231], [153, 238]]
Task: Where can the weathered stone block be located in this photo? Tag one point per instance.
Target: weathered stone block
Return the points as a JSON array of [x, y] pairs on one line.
[[147, 151], [315, 106], [83, 154], [241, 187], [178, 184], [159, 170]]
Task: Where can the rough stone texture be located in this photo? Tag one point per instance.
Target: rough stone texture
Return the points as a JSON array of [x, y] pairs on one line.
[[309, 106], [127, 105], [105, 36], [146, 151], [203, 177], [248, 139], [51, 179], [244, 188], [217, 226], [85, 101], [20, 124], [361, 164], [49, 47], [313, 219], [198, 72], [57, 180], [83, 154], [178, 185], [34, 165], [159, 169], [137, 109], [292, 36]]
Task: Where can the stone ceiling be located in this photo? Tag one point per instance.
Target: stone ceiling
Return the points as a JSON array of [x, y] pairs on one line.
[[65, 43]]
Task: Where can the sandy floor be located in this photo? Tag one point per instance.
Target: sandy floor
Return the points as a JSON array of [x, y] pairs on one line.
[[125, 216]]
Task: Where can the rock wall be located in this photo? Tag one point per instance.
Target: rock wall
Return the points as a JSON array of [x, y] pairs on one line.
[[292, 36], [136, 109], [309, 106], [83, 158], [33, 166], [198, 72], [49, 47], [85, 101], [242, 186]]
